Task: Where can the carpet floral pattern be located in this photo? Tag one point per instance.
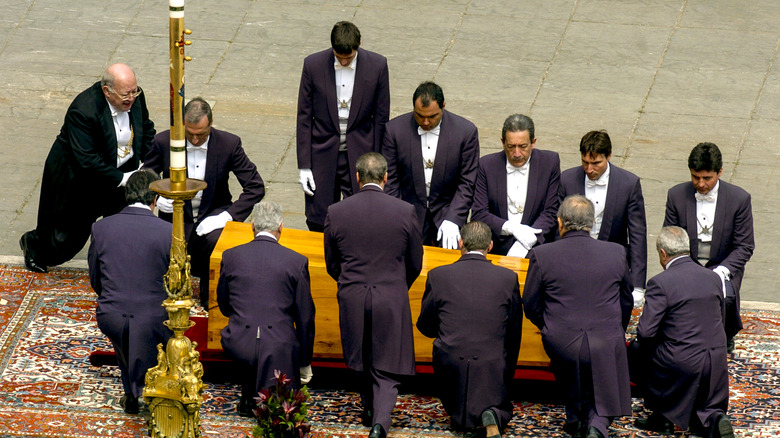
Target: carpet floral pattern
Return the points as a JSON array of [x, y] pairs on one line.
[[49, 388]]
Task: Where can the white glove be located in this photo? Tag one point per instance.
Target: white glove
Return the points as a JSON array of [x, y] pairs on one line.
[[449, 233], [306, 374], [125, 177], [522, 233], [212, 223], [517, 250], [306, 178], [724, 274], [639, 297], [164, 205]]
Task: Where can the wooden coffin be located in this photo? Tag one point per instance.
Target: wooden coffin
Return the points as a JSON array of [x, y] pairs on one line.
[[327, 343]]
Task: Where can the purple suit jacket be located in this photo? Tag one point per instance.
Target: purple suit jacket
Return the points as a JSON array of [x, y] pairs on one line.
[[317, 132], [541, 203], [265, 292], [224, 155], [128, 256], [624, 215], [373, 249], [732, 233], [578, 292], [473, 309], [682, 327], [454, 170]]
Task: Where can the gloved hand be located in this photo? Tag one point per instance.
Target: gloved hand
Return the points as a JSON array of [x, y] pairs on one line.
[[522, 233], [212, 223], [125, 177], [449, 233], [517, 250], [639, 297], [306, 374], [306, 178], [164, 205], [724, 274]]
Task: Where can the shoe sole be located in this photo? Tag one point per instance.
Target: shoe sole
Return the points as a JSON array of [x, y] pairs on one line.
[[724, 428]]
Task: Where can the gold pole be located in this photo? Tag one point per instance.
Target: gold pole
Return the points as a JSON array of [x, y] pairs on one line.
[[173, 388]]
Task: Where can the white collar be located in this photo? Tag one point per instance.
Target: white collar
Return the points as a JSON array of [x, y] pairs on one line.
[[140, 205], [266, 234]]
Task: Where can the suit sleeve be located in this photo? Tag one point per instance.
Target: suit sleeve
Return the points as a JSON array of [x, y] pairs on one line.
[[672, 215], [251, 182], [148, 128], [742, 235], [154, 158], [382, 111], [626, 299], [304, 322], [428, 321], [414, 248], [514, 330], [547, 219], [223, 292], [533, 300], [653, 312], [303, 131], [480, 210], [94, 266], [390, 152], [332, 253], [637, 236], [458, 210]]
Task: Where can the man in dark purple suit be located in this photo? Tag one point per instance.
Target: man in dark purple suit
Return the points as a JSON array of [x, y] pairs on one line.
[[473, 309], [128, 255], [578, 292], [373, 249], [719, 219], [211, 156], [681, 347], [616, 195], [516, 192], [343, 106], [264, 290], [432, 157]]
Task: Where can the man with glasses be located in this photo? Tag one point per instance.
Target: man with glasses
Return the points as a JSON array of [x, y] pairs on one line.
[[105, 137]]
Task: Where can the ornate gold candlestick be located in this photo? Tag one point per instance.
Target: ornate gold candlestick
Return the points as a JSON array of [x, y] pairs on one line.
[[173, 388]]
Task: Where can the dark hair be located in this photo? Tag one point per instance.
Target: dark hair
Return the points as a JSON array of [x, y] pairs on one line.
[[476, 236], [137, 187], [596, 143], [196, 109], [345, 37], [428, 91], [518, 123], [371, 168], [705, 156]]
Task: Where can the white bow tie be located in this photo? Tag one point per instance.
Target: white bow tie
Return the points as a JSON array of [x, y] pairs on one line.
[[434, 131], [708, 197], [192, 148], [337, 65], [522, 170], [591, 183]]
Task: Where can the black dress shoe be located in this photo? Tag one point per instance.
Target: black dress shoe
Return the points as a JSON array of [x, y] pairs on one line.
[[246, 407], [29, 257], [730, 345], [367, 417], [489, 418], [594, 433], [377, 432], [722, 427], [129, 404], [575, 429], [655, 423]]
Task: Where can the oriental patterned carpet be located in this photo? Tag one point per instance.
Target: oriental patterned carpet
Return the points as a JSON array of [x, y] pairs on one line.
[[48, 387]]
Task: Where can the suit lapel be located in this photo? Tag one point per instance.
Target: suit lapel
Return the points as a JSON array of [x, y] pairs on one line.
[[609, 203], [418, 173], [720, 217], [691, 222], [212, 164], [330, 90], [440, 167], [531, 191], [357, 89], [499, 182]]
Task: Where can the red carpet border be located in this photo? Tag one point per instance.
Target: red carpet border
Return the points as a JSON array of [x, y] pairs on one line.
[[48, 388]]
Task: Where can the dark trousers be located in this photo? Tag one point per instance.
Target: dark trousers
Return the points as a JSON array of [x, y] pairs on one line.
[[342, 189]]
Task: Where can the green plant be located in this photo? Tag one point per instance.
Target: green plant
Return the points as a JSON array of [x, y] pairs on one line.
[[281, 410]]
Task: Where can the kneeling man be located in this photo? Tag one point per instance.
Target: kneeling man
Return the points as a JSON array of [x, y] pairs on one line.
[[265, 292], [681, 344], [474, 311]]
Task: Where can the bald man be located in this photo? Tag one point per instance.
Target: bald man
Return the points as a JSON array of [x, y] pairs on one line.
[[104, 138]]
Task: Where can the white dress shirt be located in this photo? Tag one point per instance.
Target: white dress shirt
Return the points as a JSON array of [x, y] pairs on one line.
[[596, 192], [345, 84], [124, 135], [265, 233], [429, 142], [516, 190], [196, 169], [705, 213]]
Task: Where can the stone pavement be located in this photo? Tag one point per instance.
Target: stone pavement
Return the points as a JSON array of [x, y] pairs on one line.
[[659, 76]]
